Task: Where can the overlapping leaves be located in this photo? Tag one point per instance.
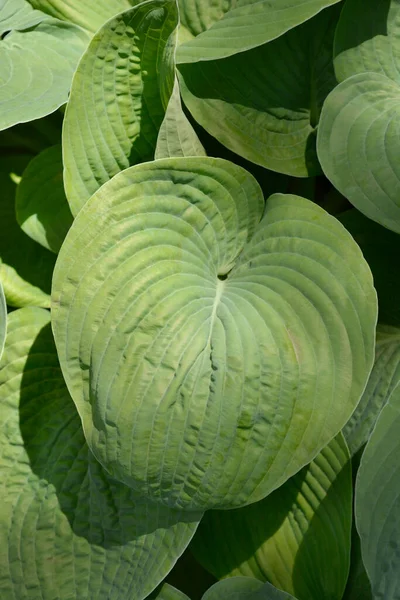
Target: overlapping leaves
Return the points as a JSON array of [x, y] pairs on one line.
[[86, 535], [203, 330], [119, 96], [268, 113], [38, 56], [297, 538], [245, 24], [359, 130]]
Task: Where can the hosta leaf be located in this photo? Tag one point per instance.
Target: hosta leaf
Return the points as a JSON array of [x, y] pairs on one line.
[[248, 23], [41, 206], [358, 145], [90, 14], [70, 530], [3, 319], [26, 268], [378, 502], [379, 246], [367, 39], [197, 16], [118, 98], [38, 56], [176, 136], [197, 332], [244, 588], [168, 592], [383, 379], [268, 113], [297, 538]]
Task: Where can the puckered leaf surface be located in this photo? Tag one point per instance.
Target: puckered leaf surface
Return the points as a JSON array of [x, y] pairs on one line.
[[378, 502], [211, 351], [245, 24], [268, 113], [119, 96], [297, 538], [69, 530], [38, 56]]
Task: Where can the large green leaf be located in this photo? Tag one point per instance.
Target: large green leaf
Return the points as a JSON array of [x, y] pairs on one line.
[[26, 268], [90, 14], [3, 319], [38, 56], [298, 537], [211, 355], [244, 588], [383, 379], [268, 113], [41, 206], [69, 530], [379, 246], [176, 136], [378, 502], [367, 39], [358, 143], [119, 97], [248, 24]]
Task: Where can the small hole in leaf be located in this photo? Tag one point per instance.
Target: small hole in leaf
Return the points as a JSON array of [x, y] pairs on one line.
[[223, 277], [4, 34]]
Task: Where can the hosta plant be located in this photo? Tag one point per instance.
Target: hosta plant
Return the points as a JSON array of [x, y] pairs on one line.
[[199, 325]]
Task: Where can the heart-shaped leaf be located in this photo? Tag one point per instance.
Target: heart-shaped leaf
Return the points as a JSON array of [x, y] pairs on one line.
[[176, 136], [193, 335], [378, 502], [41, 206], [247, 24], [297, 538], [38, 56], [383, 379], [26, 268], [90, 14], [358, 145], [70, 530], [268, 113], [118, 99], [367, 39]]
